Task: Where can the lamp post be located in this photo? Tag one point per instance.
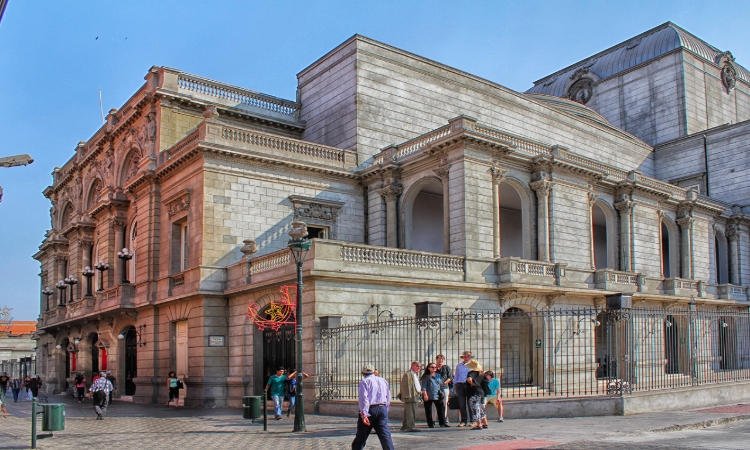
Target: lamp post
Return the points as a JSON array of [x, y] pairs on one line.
[[72, 281], [125, 255], [88, 272], [61, 286], [299, 247], [101, 266], [47, 292]]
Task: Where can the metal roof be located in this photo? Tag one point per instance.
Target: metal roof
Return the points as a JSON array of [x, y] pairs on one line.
[[642, 48]]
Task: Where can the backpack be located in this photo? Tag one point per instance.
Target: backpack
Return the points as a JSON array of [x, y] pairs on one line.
[[291, 386]]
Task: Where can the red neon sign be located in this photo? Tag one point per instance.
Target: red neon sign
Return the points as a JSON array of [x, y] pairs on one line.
[[279, 313]]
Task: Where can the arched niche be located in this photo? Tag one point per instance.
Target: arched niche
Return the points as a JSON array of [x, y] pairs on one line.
[[721, 258], [604, 235], [130, 165], [67, 215], [424, 217], [669, 248], [513, 209], [92, 198]]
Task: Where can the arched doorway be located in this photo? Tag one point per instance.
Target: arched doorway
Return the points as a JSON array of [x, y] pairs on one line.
[[94, 339], [131, 360], [511, 221], [671, 345], [599, 237], [424, 217], [516, 348]]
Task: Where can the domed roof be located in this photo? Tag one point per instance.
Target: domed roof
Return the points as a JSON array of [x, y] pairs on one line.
[[645, 47]]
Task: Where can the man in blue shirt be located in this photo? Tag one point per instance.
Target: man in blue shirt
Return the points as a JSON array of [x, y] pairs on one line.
[[459, 383], [374, 400], [277, 384]]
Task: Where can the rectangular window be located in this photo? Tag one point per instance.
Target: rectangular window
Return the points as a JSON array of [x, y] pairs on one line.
[[180, 247]]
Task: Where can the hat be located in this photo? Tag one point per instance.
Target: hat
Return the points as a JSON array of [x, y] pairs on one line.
[[368, 369], [474, 365]]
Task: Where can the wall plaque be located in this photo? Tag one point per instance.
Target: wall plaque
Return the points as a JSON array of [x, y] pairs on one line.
[[216, 341]]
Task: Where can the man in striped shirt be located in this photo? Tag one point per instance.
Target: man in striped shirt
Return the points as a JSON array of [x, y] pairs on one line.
[[100, 390]]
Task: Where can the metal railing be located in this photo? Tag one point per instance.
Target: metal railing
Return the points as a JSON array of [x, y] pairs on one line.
[[549, 353]]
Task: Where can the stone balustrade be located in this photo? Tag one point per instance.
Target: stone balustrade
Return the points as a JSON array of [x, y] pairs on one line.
[[613, 280], [515, 270], [415, 145], [270, 261], [397, 257], [732, 292], [681, 287]]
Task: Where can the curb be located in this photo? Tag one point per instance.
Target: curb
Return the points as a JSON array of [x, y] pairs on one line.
[[702, 424]]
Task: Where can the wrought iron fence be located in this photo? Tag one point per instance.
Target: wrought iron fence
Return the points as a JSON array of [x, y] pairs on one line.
[[561, 352]]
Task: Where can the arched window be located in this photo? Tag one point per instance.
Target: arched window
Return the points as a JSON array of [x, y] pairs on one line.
[[424, 217], [603, 256], [513, 222], [65, 218], [670, 266]]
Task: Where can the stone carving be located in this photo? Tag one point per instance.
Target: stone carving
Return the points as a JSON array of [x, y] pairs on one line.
[[316, 211], [541, 187], [133, 161], [592, 199], [581, 91], [211, 112], [728, 71], [625, 206], [685, 222], [179, 204], [498, 174], [249, 248], [391, 193], [442, 172]]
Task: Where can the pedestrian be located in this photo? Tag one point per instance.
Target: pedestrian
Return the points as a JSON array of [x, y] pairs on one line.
[[432, 394], [100, 390], [94, 377], [446, 375], [3, 408], [476, 403], [112, 380], [4, 379], [15, 387], [374, 402], [291, 390], [459, 383], [80, 383], [491, 387], [35, 384], [277, 384], [410, 394], [173, 383], [27, 385]]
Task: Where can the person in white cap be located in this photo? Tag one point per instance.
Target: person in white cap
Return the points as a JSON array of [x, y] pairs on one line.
[[374, 401], [100, 392]]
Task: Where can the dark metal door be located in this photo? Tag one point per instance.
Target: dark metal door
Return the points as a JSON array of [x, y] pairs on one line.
[[94, 354], [671, 345], [278, 350], [131, 361]]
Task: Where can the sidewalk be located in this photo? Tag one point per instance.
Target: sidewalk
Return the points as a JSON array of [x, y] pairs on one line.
[[157, 426]]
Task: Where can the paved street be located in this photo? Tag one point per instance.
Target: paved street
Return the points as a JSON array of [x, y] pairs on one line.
[[130, 425]]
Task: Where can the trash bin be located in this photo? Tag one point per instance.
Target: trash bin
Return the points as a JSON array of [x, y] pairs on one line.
[[251, 407], [53, 417]]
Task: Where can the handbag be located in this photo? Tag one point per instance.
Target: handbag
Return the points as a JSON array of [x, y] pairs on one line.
[[180, 385], [453, 403]]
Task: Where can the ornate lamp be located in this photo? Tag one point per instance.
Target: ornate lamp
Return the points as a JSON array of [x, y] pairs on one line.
[[125, 255], [61, 286], [88, 272], [101, 266], [299, 246], [72, 281], [47, 292]]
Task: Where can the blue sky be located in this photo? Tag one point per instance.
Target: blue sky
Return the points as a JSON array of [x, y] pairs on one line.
[[54, 56]]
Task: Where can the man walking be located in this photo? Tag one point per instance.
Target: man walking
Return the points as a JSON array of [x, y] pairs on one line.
[[277, 384], [100, 390], [374, 400], [15, 386], [459, 381], [112, 380], [411, 392]]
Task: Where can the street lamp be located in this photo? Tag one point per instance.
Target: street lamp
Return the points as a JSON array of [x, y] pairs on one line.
[[62, 286], [299, 247], [88, 272], [47, 292], [101, 266], [125, 255], [72, 281]]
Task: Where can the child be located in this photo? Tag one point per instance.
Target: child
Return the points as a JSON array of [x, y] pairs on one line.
[[491, 386], [476, 405]]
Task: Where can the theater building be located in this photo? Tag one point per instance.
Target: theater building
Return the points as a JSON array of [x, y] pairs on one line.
[[418, 183]]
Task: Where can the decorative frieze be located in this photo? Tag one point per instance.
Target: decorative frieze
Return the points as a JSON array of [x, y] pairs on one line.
[[178, 203]]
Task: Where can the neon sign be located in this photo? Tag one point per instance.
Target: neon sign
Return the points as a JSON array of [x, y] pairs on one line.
[[279, 313]]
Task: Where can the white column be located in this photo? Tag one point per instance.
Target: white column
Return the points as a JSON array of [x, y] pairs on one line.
[[390, 194], [498, 175], [444, 173], [542, 189], [686, 226], [734, 273], [592, 255], [626, 210]]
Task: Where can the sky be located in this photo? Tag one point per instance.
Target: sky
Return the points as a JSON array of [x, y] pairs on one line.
[[55, 56]]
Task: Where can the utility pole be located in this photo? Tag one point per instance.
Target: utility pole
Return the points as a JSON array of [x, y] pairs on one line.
[[13, 161]]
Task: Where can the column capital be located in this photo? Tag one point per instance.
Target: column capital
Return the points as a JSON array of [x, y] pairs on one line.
[[732, 234], [592, 198], [685, 222], [391, 193], [118, 223], [541, 187], [498, 174], [443, 171], [625, 206]]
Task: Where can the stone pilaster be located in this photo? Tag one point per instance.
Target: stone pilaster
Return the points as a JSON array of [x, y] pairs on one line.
[[118, 225], [444, 173], [626, 213], [686, 226], [733, 236], [391, 194], [542, 189], [592, 199], [498, 175]]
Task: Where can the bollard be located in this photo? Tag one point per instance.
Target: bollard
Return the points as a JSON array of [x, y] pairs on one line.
[[265, 412], [33, 424]]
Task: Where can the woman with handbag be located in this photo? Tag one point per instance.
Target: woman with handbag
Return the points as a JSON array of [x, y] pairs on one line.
[[432, 394], [446, 375], [174, 384]]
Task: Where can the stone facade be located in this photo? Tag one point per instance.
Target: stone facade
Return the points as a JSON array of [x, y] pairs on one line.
[[201, 180]]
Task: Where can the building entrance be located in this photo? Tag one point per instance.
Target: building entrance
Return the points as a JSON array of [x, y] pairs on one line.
[[131, 360], [279, 349]]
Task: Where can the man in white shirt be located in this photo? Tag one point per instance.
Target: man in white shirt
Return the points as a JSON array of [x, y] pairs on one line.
[[100, 391], [411, 393]]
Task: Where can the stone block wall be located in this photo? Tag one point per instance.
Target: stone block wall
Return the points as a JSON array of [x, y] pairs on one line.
[[570, 225]]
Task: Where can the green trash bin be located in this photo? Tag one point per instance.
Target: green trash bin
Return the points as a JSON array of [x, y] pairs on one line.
[[251, 407], [53, 417]]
